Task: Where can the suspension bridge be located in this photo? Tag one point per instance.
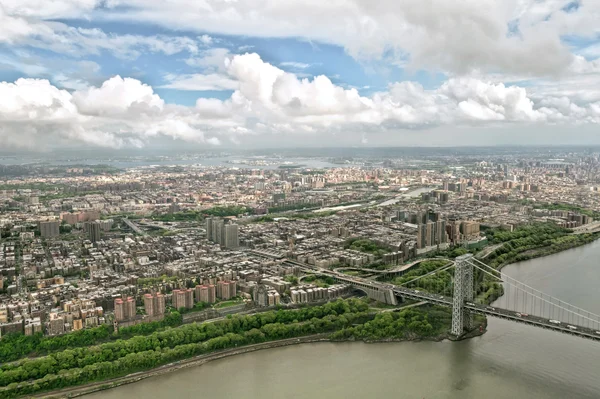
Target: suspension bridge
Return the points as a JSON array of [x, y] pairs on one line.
[[521, 303]]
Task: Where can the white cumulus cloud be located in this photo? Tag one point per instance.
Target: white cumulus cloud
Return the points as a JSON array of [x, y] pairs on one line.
[[269, 101], [118, 96], [457, 36]]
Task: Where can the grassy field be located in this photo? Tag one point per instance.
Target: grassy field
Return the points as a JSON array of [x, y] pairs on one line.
[[226, 304]]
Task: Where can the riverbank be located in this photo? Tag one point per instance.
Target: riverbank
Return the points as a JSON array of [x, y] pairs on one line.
[[587, 238], [533, 241], [340, 320], [82, 390]]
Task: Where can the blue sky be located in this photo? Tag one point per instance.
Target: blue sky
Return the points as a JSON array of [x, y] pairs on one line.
[[302, 57], [124, 73]]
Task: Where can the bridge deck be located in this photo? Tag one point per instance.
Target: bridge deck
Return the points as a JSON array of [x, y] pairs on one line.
[[531, 320], [134, 227], [580, 331]]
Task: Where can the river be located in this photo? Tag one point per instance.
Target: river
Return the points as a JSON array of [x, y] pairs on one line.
[[510, 361]]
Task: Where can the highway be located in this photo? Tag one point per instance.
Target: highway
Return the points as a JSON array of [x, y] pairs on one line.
[[134, 227], [157, 225], [400, 269], [587, 228], [437, 299]]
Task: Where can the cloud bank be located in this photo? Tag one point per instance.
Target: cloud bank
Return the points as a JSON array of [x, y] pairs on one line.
[[125, 112]]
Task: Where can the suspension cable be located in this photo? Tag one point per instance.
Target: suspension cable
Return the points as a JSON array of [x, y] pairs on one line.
[[533, 289], [540, 298], [441, 269]]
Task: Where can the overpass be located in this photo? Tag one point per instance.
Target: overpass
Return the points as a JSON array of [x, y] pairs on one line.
[[157, 225], [375, 290], [542, 310], [134, 227], [396, 271], [593, 227]]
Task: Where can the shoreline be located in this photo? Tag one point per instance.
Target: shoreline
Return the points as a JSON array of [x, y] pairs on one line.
[[536, 256], [502, 266], [78, 391]]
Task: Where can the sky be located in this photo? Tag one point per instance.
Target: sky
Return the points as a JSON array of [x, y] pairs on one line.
[[211, 74]]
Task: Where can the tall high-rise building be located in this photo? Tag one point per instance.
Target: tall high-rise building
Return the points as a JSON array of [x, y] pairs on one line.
[[125, 308], [214, 229], [218, 231], [226, 235], [421, 236], [209, 228], [231, 236], [183, 299], [94, 231], [453, 232], [49, 229], [431, 233], [226, 289], [189, 298], [154, 304], [402, 215], [159, 304], [223, 290], [70, 218], [206, 293], [149, 304], [469, 229], [119, 310], [433, 216], [178, 299], [105, 225], [130, 306], [440, 232], [260, 295]]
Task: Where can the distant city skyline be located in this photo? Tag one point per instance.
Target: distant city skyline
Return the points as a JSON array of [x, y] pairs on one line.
[[254, 74]]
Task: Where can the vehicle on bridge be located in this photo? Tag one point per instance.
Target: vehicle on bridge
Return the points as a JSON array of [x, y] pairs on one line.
[[572, 327], [554, 322]]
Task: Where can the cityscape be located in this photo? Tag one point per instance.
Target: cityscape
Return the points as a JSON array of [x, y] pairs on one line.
[[264, 199], [129, 251]]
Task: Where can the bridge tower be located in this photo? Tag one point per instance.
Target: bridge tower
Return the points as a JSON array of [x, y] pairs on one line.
[[463, 291]]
